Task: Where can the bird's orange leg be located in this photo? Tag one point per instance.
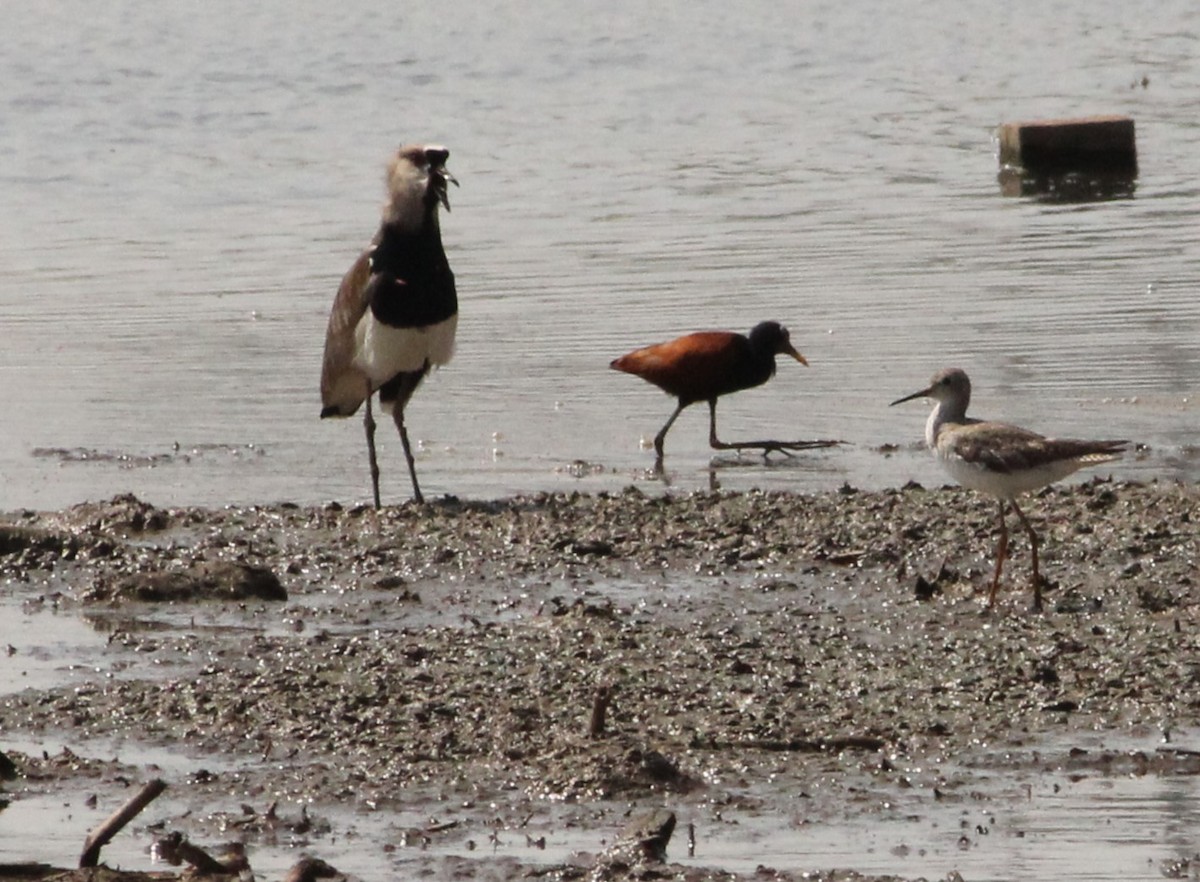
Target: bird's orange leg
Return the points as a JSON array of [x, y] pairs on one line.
[[1033, 545], [1001, 553]]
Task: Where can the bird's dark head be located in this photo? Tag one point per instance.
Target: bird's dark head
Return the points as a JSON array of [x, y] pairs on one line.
[[774, 338], [417, 180]]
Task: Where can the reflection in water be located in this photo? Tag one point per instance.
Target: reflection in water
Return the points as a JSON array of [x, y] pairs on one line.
[[1068, 188]]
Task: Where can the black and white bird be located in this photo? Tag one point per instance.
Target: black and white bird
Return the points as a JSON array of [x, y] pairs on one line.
[[396, 310]]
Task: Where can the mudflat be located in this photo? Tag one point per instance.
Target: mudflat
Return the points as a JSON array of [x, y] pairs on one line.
[[549, 669]]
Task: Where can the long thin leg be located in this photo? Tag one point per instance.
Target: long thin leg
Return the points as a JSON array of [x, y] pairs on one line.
[[1033, 545], [766, 447], [1001, 553], [369, 425], [661, 436], [713, 441], [396, 393], [398, 417]]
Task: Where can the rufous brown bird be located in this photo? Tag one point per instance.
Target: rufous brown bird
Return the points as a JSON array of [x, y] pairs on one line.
[[1001, 460], [708, 364], [396, 311]]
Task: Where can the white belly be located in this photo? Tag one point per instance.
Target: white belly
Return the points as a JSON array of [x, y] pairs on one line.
[[382, 351], [1005, 485]]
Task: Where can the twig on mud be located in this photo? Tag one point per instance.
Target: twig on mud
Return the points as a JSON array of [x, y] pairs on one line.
[[600, 705], [1178, 751], [835, 744], [116, 822]]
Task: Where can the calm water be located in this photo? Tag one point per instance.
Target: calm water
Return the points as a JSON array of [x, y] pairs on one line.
[[181, 190]]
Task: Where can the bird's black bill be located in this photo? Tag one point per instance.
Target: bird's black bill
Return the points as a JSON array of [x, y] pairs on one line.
[[440, 177], [924, 393]]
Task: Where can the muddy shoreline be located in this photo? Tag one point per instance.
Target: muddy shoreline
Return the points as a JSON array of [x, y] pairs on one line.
[[807, 657]]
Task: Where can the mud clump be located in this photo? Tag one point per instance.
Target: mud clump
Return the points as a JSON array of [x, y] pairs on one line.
[[215, 581]]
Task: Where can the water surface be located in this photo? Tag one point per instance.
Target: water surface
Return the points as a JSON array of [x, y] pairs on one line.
[[182, 190]]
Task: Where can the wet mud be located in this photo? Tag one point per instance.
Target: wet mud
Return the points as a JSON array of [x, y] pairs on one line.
[[551, 668]]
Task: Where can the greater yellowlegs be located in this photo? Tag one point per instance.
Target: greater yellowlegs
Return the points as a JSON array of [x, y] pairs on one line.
[[1001, 460]]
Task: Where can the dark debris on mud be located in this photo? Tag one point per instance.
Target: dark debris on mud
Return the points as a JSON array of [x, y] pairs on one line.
[[459, 645]]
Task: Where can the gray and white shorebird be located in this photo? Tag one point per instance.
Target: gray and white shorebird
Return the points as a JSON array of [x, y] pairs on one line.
[[999, 459], [396, 310]]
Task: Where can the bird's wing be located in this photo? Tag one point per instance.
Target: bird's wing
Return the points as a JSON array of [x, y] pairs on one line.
[[1086, 451], [1000, 447], [343, 386], [704, 360]]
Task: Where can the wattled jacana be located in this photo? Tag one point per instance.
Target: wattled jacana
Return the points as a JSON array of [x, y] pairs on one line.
[[706, 365]]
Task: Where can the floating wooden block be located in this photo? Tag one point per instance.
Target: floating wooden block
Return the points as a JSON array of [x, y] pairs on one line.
[[1095, 143]]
